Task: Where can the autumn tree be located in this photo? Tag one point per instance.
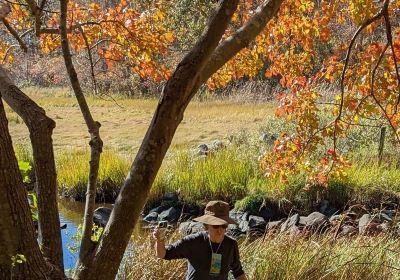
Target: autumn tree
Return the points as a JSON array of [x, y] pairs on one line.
[[360, 68], [102, 259], [351, 45]]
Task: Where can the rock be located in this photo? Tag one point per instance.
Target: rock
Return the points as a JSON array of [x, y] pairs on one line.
[[389, 212], [101, 216], [193, 210], [267, 213], [236, 215], [366, 224], [190, 227], [385, 226], [385, 217], [273, 226], [234, 230], [244, 226], [348, 230], [202, 149], [294, 230], [159, 209], [326, 209], [257, 222], [216, 145], [171, 196], [171, 215], [314, 220], [291, 221], [364, 220], [239, 216], [151, 217], [335, 219], [268, 139]]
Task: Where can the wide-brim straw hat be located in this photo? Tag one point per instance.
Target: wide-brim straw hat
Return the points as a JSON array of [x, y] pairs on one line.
[[216, 213]]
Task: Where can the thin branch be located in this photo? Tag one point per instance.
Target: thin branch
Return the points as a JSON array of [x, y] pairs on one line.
[[376, 99], [14, 33], [26, 33], [8, 51], [389, 37], [359, 124], [361, 28], [99, 42], [95, 143], [88, 48]]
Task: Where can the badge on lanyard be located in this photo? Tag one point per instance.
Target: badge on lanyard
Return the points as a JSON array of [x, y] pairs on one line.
[[215, 267]]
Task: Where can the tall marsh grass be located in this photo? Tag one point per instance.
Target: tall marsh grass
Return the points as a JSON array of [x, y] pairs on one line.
[[224, 174], [282, 257], [73, 170]]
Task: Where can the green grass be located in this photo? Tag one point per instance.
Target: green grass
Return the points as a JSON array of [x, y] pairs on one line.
[[224, 174], [232, 174], [73, 170]]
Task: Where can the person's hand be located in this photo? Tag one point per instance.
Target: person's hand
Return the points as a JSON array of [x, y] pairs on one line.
[[158, 234]]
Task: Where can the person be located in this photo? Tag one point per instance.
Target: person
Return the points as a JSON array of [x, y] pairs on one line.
[[210, 254]]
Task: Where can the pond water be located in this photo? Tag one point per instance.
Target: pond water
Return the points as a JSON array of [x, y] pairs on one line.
[[71, 214]]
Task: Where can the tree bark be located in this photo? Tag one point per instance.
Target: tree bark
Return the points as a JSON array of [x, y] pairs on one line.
[[17, 234], [40, 131], [96, 145]]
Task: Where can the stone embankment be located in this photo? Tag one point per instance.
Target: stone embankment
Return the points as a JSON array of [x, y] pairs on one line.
[[355, 220]]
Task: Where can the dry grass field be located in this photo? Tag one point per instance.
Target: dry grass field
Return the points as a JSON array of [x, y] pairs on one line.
[[124, 121]]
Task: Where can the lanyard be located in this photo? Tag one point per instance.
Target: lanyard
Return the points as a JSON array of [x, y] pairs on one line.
[[209, 240]]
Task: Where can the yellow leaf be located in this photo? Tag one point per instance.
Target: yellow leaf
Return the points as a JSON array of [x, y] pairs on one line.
[[169, 36]]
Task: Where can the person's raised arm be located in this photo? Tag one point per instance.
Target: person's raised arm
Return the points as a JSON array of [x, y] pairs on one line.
[[160, 243]]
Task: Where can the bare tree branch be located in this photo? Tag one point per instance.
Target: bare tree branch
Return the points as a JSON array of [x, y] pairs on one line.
[[88, 48], [96, 144], [14, 33]]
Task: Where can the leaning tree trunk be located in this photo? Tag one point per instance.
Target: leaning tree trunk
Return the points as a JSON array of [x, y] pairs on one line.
[[40, 131], [168, 115], [17, 234]]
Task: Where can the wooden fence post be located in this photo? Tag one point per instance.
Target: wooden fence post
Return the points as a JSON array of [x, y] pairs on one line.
[[381, 144]]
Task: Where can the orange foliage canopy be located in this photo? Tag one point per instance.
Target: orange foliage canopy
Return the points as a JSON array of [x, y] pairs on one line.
[[119, 35]]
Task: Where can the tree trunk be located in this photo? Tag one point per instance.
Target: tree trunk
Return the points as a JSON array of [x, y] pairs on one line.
[[17, 234], [194, 70], [168, 115], [96, 144], [40, 130]]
